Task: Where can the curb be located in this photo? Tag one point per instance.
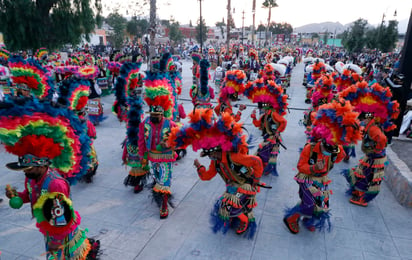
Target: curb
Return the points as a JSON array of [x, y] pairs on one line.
[[399, 178]]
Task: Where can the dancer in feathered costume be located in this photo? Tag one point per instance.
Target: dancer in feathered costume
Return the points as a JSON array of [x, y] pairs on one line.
[[94, 104], [31, 78], [202, 94], [49, 143], [273, 104], [196, 57], [153, 132], [335, 124], [223, 142], [130, 94], [114, 69], [377, 110], [315, 71], [322, 94], [168, 65], [74, 94], [102, 79], [233, 86]]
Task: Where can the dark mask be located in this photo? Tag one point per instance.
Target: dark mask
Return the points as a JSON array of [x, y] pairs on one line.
[[31, 175], [154, 120]]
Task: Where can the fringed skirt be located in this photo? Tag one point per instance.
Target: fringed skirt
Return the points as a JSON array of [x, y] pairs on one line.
[[367, 176], [235, 201]]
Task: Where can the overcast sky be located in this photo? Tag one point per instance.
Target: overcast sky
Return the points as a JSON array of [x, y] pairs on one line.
[[295, 12]]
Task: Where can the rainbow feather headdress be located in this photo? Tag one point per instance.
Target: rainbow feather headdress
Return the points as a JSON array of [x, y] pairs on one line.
[[373, 99], [337, 124], [203, 132], [41, 54], [43, 130], [322, 92], [233, 83], [38, 79], [270, 93], [158, 92], [128, 81], [4, 55], [74, 93]]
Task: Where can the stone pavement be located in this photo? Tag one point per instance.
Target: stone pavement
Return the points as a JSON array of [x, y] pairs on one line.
[[129, 227]]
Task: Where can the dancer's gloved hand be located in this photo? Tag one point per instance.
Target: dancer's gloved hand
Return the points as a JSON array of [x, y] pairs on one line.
[[253, 115]]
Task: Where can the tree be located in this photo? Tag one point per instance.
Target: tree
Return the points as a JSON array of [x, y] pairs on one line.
[[201, 37], [325, 37], [221, 26], [131, 27], [174, 32], [388, 36], [354, 38], [31, 24], [118, 23], [269, 4]]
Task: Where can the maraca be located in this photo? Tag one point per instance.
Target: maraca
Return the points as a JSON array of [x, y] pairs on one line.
[[15, 201]]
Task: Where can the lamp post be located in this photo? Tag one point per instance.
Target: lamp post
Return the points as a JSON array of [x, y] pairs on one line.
[[200, 29], [243, 23], [253, 28]]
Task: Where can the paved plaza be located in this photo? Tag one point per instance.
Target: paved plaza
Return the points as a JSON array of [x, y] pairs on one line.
[[129, 227]]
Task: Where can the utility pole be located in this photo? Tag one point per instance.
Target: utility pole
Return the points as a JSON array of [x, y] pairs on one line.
[[243, 23], [229, 19], [152, 30], [200, 29], [253, 28]]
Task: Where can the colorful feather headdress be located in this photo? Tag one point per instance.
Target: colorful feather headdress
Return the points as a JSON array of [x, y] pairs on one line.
[[196, 57], [158, 92], [253, 53], [41, 54], [38, 79], [233, 83], [337, 124], [318, 69], [128, 81], [268, 72], [66, 71], [203, 132], [74, 93], [42, 130], [4, 55], [373, 99], [204, 76], [271, 93], [322, 92], [348, 77], [87, 72], [114, 67]]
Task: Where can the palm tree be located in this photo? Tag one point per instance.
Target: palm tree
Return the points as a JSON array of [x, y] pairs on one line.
[[269, 4]]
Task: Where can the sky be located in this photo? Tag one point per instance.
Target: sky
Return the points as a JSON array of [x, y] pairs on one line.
[[295, 12]]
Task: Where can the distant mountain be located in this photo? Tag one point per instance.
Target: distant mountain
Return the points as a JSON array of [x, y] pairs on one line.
[[322, 27], [331, 27]]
